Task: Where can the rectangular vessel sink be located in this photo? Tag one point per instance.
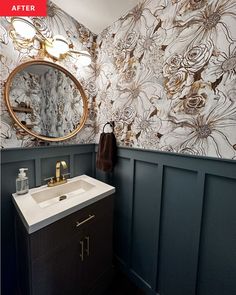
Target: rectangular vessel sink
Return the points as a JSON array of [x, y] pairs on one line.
[[53, 195]]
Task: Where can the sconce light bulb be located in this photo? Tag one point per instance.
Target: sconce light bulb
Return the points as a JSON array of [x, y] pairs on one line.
[[52, 51], [24, 27], [84, 58], [59, 45]]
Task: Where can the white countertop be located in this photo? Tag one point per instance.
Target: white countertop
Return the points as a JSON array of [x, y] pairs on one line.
[[34, 217]]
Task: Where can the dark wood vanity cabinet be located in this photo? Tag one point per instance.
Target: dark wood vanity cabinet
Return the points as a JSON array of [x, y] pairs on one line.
[[72, 256]]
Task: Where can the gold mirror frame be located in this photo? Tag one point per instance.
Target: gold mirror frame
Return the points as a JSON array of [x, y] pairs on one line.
[[78, 85]]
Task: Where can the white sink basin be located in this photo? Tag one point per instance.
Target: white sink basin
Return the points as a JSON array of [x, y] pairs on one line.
[[44, 205], [52, 195]]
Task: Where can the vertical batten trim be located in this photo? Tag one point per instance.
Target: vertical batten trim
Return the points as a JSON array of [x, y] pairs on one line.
[[37, 169], [131, 208], [158, 221], [72, 160], [158, 254], [94, 163], [201, 194]]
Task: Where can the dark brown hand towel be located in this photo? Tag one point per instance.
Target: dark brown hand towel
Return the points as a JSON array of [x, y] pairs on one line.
[[106, 155]]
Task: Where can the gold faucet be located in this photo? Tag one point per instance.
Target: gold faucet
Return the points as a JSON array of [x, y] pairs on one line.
[[58, 169], [58, 179]]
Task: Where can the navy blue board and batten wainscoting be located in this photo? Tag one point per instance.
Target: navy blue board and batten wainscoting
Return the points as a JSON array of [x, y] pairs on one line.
[[175, 215], [175, 222]]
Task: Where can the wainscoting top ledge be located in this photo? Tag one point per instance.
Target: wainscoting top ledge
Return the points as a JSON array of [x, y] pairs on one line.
[[174, 154], [46, 147]]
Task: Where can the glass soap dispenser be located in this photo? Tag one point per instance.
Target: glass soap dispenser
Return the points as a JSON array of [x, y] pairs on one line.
[[22, 182]]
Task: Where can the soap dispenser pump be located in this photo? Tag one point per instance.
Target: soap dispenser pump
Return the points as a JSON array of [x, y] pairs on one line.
[[22, 182]]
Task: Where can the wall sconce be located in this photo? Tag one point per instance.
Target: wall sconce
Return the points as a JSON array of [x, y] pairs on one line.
[[57, 46]]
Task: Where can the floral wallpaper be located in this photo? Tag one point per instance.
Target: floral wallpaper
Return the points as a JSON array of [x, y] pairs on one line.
[[15, 52], [166, 75]]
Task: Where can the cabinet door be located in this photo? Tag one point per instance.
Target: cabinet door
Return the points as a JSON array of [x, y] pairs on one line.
[[98, 247], [56, 261], [58, 272]]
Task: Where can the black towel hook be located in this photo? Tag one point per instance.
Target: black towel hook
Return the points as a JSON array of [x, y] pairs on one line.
[[111, 123]]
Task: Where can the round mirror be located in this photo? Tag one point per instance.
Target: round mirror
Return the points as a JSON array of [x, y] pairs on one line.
[[46, 100]]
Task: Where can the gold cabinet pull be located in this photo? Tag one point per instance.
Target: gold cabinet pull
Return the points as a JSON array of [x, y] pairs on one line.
[[84, 221], [87, 245], [82, 250]]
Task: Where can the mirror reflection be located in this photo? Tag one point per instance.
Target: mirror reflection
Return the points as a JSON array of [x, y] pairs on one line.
[[46, 100]]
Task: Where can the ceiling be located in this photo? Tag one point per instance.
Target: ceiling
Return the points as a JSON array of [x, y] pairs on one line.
[[96, 15]]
